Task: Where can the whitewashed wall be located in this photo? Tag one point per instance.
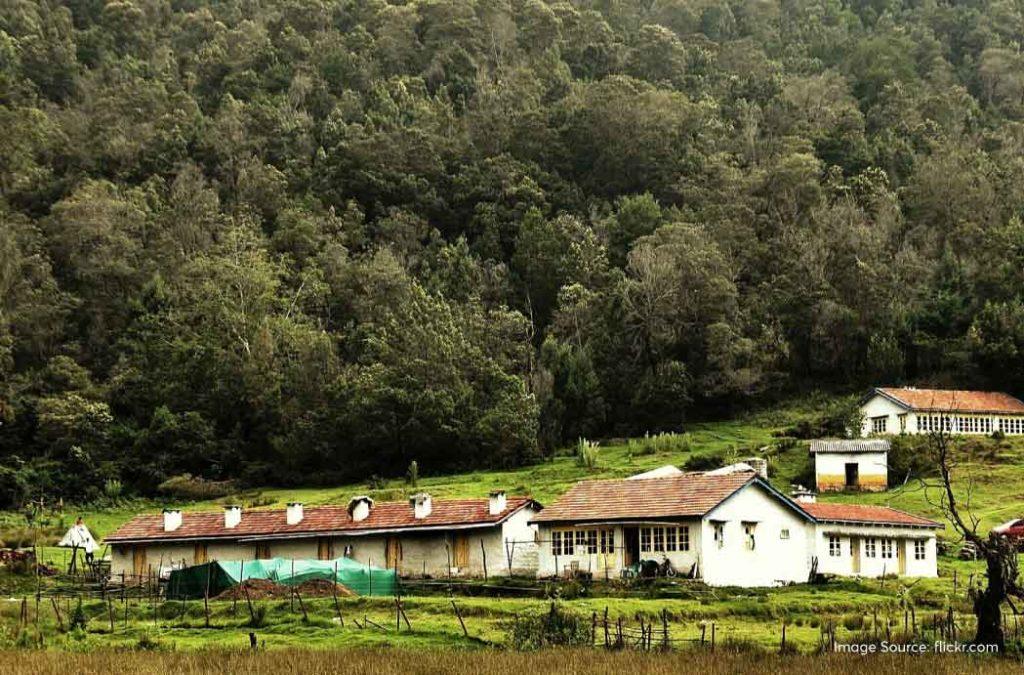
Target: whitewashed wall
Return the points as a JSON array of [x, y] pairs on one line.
[[874, 567], [421, 553], [880, 406], [830, 470], [774, 560]]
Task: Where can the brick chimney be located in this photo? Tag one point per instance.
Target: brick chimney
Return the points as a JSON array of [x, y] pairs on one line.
[[172, 519], [232, 516], [421, 505], [294, 513]]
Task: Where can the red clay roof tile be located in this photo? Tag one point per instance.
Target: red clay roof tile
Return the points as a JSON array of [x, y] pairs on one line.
[[864, 513], [272, 522], [688, 495], [950, 400]]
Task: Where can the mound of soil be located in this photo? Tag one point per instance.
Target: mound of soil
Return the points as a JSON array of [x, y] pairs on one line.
[[264, 589], [322, 588]]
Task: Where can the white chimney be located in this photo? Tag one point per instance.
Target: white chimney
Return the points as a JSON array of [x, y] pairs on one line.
[[496, 502], [359, 508], [421, 505], [803, 495], [294, 515], [232, 516], [172, 520]]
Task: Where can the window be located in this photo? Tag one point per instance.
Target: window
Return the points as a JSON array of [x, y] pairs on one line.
[[581, 539], [887, 548], [684, 538], [262, 551], [784, 533], [659, 538], [878, 424], [919, 549], [719, 534], [870, 548], [749, 540], [591, 541], [835, 548], [607, 541], [562, 542], [670, 538], [903, 422], [645, 539]]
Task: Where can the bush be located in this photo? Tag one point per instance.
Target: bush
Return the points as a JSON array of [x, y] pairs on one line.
[[259, 617], [195, 488], [587, 453], [555, 628], [910, 456], [704, 463], [660, 443]]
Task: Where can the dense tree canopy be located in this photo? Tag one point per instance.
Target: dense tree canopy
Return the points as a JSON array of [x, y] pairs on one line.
[[294, 240]]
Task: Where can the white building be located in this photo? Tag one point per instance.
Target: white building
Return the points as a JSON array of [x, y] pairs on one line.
[[911, 410], [420, 537], [728, 530], [860, 464]]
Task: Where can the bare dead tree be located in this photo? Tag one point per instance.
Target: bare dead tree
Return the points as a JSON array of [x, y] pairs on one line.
[[997, 551]]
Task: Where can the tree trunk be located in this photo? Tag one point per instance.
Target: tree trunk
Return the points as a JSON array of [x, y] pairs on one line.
[[1001, 564]]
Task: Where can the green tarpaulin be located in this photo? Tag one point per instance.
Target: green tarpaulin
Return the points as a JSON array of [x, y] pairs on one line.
[[220, 575]]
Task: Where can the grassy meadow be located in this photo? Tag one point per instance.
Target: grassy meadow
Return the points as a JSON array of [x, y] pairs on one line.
[[405, 662]]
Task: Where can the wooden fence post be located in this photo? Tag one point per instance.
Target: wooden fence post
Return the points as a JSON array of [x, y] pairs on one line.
[[483, 554]]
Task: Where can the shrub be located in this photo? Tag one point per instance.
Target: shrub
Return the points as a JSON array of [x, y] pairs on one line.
[[704, 463], [78, 619], [587, 453], [187, 486], [112, 489], [259, 617], [555, 628], [910, 456]]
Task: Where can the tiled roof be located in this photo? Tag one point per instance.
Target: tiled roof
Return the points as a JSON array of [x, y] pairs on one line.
[[688, 495], [863, 513], [953, 400], [316, 519], [849, 446]]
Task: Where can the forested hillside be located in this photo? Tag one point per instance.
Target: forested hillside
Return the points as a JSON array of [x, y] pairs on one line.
[[292, 240]]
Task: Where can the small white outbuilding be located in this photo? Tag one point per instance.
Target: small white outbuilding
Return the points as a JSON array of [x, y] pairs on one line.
[[857, 464]]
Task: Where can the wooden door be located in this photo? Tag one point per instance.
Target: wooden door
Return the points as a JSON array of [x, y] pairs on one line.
[[200, 554], [855, 553], [393, 552], [460, 554], [263, 551], [325, 548], [901, 555], [139, 562]]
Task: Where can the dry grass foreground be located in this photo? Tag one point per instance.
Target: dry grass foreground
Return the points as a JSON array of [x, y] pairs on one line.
[[398, 662]]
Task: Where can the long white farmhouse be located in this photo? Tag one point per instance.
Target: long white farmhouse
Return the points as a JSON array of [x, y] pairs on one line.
[[448, 537], [728, 530], [909, 410]]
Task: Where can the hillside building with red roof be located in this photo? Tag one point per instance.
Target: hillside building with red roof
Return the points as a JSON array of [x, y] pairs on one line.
[[728, 530], [421, 537], [910, 410]]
